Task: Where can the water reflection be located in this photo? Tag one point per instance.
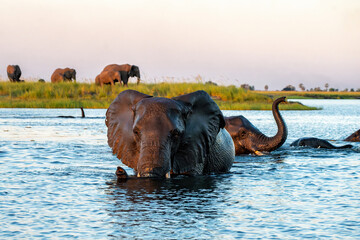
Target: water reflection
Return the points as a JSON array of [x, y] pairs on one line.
[[158, 205]]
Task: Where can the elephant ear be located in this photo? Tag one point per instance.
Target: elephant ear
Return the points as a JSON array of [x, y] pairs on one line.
[[119, 121], [203, 123]]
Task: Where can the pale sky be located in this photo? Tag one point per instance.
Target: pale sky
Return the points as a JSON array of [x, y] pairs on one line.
[[259, 42]]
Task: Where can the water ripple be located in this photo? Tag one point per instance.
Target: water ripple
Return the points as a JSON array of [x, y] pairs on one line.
[[57, 181]]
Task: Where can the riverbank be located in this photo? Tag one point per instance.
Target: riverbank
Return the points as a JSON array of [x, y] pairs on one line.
[[74, 95], [310, 95]]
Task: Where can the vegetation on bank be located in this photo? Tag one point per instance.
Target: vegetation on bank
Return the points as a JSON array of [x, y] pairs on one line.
[[74, 95], [311, 94]]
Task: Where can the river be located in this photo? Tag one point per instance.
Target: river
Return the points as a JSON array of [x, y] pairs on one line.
[[57, 181]]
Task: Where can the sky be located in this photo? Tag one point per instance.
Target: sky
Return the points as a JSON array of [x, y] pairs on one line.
[[230, 42]]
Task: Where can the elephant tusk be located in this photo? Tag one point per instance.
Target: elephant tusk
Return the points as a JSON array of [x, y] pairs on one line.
[[258, 153]]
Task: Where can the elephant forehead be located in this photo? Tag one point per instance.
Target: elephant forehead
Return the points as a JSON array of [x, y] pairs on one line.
[[237, 121], [157, 105]]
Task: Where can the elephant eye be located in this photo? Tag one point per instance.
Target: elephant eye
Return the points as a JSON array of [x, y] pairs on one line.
[[136, 131], [175, 133], [242, 134]]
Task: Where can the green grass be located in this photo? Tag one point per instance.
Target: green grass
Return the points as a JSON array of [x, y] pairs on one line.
[[74, 95]]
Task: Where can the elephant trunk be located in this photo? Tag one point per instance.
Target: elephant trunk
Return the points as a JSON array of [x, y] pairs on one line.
[[154, 160], [268, 144]]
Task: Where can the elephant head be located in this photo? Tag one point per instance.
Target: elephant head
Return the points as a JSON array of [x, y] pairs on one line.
[[156, 136], [248, 139], [135, 72], [69, 73], [355, 137], [14, 73]]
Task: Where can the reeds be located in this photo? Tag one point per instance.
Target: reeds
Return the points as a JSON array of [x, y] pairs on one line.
[[73, 95]]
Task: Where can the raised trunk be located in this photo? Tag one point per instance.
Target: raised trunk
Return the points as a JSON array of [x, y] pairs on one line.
[[268, 144]]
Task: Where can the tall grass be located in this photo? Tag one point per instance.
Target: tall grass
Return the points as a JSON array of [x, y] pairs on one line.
[[73, 95]]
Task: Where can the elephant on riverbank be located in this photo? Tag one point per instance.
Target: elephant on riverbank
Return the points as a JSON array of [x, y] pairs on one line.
[[108, 77], [14, 73], [157, 136], [126, 71], [63, 75], [316, 143], [355, 137], [248, 139]]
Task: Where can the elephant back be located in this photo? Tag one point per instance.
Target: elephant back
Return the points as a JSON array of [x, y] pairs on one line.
[[116, 67]]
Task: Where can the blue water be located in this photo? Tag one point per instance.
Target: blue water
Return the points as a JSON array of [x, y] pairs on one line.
[[57, 181]]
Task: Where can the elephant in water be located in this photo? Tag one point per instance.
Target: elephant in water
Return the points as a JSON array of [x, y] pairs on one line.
[[160, 136], [14, 73], [248, 139], [355, 137], [63, 75], [316, 143], [108, 77], [82, 114], [126, 71]]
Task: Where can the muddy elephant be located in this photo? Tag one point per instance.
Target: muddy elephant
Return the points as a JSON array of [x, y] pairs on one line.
[[14, 73], [355, 137], [316, 143], [126, 71], [108, 77], [63, 75], [248, 139], [158, 136]]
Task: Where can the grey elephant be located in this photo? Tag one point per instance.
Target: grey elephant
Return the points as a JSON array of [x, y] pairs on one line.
[[160, 136], [316, 143], [248, 139], [126, 71], [63, 75], [14, 73]]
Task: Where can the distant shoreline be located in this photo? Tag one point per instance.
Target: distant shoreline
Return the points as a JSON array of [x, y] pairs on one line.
[[76, 95], [310, 95]]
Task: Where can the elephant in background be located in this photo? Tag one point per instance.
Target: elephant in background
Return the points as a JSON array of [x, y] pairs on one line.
[[126, 71], [316, 143], [355, 137], [158, 136], [63, 75], [108, 77], [248, 139], [14, 73]]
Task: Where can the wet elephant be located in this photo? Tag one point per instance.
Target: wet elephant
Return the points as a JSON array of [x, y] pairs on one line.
[[160, 136], [108, 77], [248, 139], [316, 143], [355, 137], [126, 71], [63, 75], [14, 73]]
